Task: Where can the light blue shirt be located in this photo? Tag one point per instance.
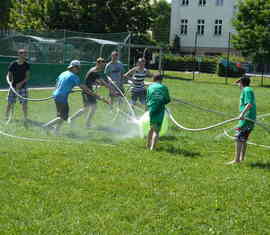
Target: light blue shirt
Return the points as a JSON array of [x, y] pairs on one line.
[[115, 71], [65, 82]]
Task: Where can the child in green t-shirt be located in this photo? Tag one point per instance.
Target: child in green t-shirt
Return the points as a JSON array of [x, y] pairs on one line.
[[247, 111], [157, 97]]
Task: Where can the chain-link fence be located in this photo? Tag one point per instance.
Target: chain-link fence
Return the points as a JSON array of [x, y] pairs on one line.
[[59, 47]]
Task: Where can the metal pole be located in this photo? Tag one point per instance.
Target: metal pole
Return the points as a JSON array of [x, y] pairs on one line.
[[129, 50], [160, 60], [64, 52], [194, 55], [262, 71], [228, 58]]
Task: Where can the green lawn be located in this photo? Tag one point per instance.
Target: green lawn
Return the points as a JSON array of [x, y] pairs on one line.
[[101, 181]]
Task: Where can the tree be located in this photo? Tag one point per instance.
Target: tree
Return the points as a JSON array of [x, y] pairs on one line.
[[4, 13], [161, 21], [96, 16], [252, 23]]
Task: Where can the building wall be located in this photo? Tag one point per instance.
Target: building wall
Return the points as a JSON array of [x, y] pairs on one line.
[[209, 13]]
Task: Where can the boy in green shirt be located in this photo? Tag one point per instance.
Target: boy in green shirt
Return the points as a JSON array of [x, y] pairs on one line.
[[157, 97], [247, 110]]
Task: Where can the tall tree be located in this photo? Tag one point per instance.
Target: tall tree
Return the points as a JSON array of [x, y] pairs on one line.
[[4, 13], [161, 21], [97, 16], [252, 23]]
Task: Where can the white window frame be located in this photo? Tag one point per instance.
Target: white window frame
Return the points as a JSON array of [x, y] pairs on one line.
[[184, 2], [219, 2], [218, 28], [184, 27], [202, 3], [201, 27]]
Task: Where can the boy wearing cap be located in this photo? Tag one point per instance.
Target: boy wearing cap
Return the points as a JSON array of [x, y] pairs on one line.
[[65, 83], [247, 111], [157, 97], [18, 74], [93, 77]]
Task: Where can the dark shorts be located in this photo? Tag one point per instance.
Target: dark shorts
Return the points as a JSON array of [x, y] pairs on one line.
[[12, 97], [88, 100], [62, 110], [242, 134], [141, 95]]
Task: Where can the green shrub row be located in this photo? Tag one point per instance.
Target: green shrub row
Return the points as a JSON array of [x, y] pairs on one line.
[[205, 64]]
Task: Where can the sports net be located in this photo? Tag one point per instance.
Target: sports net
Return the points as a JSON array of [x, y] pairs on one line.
[[59, 47]]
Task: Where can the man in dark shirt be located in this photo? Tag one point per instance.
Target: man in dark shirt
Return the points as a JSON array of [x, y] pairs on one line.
[[92, 79], [18, 75]]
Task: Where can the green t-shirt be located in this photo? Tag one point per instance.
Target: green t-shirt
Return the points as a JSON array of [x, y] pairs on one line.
[[157, 97], [247, 97]]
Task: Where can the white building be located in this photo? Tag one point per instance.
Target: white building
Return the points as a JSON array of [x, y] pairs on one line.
[[211, 19]]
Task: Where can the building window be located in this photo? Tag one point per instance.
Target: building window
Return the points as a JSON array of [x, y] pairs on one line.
[[184, 27], [218, 27], [185, 2], [202, 3], [200, 27], [219, 2]]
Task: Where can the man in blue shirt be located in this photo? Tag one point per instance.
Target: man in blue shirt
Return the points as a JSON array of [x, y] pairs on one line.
[[65, 83]]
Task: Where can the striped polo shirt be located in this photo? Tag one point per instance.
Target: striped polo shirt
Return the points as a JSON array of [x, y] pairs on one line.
[[138, 80]]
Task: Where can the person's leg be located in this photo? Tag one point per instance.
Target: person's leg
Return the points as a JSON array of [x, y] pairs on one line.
[[91, 111], [11, 99], [9, 109], [77, 114], [25, 110], [133, 99], [24, 93], [52, 122], [149, 138], [143, 98], [238, 148], [62, 115], [154, 140], [243, 151]]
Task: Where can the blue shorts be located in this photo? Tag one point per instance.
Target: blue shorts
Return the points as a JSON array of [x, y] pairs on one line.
[[242, 134], [12, 97], [139, 95]]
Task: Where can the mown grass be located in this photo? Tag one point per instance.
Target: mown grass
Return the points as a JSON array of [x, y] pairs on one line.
[[99, 181]]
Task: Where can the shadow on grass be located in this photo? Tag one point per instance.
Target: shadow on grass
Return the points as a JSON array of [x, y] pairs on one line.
[[169, 137], [260, 165], [178, 151]]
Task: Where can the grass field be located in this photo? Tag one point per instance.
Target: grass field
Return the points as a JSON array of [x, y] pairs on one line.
[[100, 181]]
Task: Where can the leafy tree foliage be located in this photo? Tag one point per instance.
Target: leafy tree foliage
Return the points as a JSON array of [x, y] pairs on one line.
[[161, 13], [4, 13], [97, 16], [252, 22]]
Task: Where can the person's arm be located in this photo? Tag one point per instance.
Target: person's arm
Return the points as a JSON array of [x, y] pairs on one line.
[[167, 98], [9, 77], [242, 114], [129, 73], [89, 92]]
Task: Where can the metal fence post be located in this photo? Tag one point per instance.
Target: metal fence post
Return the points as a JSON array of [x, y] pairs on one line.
[[194, 54]]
